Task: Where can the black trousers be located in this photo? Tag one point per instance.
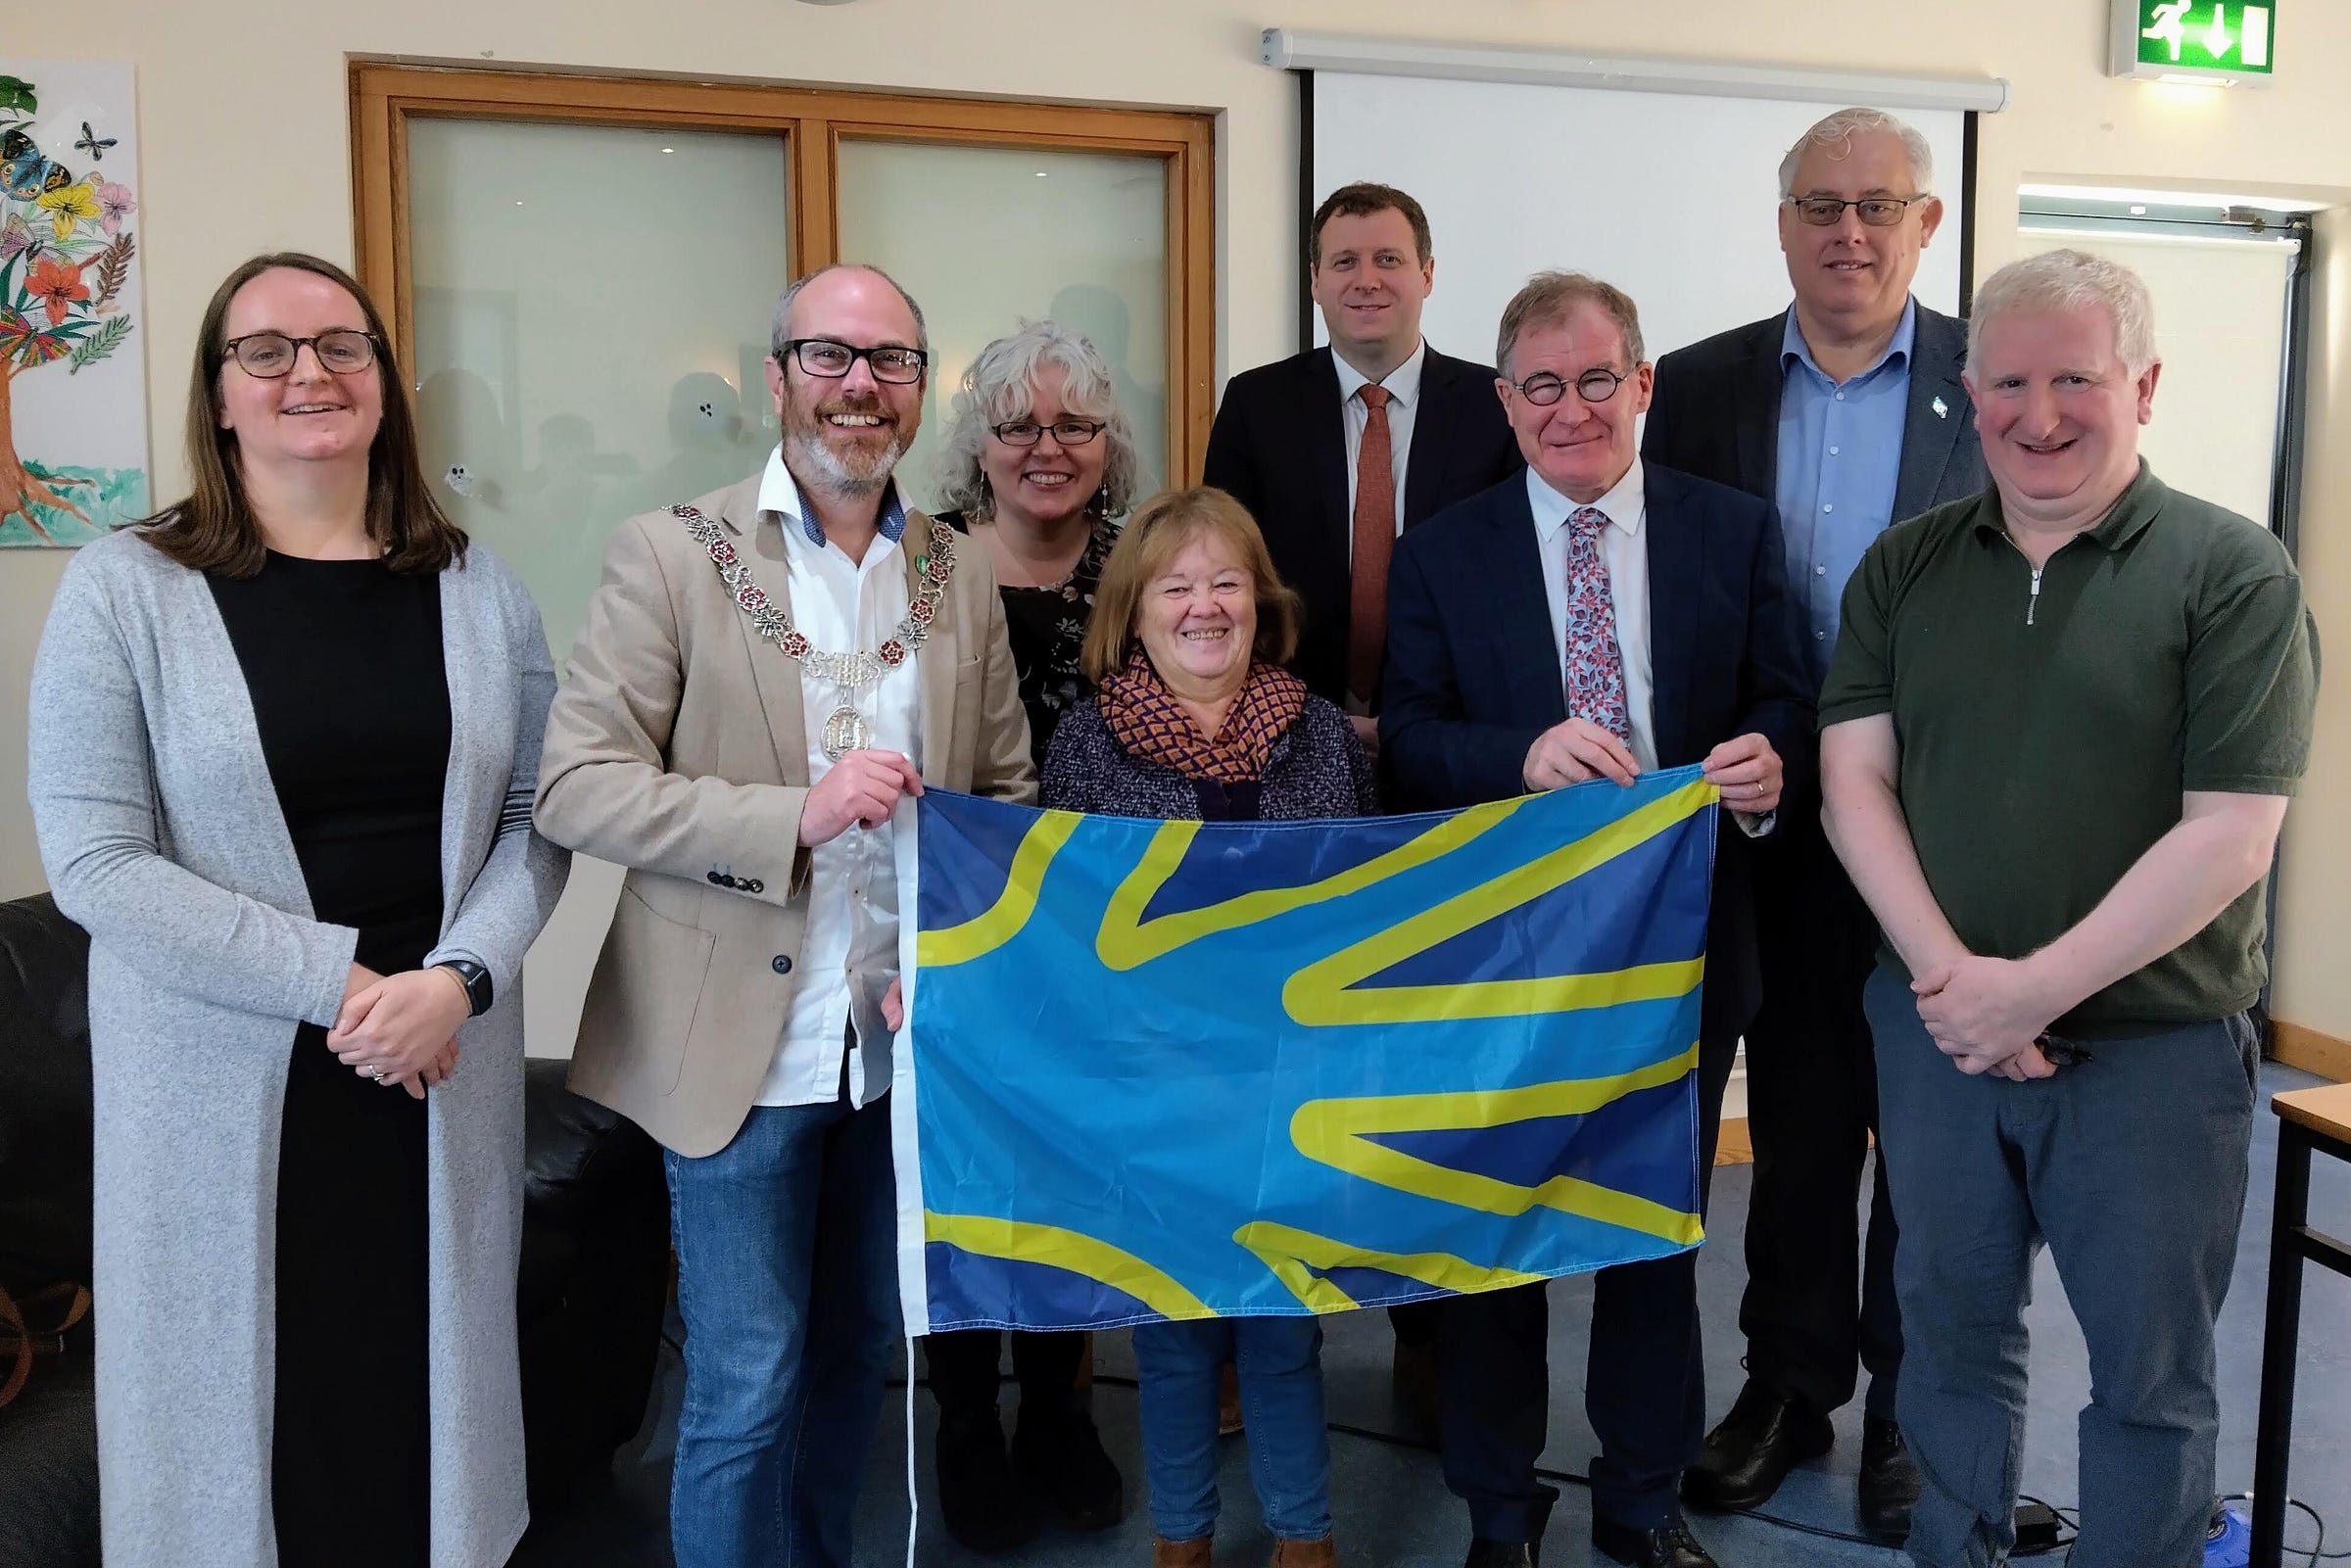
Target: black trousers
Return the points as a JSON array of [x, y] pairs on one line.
[[1819, 1285], [966, 1363], [1643, 1379]]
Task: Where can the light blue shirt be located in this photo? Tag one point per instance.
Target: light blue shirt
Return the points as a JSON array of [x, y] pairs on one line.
[[1841, 454]]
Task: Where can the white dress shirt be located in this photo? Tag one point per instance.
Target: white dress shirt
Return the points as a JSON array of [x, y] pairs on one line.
[[1626, 553], [1627, 557], [1402, 385], [849, 953]]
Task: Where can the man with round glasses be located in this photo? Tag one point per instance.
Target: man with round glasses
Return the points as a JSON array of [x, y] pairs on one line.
[[763, 676], [1847, 412], [1596, 617]]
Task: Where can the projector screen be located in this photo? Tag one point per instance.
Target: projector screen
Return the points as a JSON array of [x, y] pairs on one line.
[[1670, 197]]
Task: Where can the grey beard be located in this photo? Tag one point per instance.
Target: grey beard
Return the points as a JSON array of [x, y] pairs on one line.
[[815, 465]]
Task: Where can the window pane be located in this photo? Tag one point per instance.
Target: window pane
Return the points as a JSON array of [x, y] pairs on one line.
[[591, 323], [983, 236]]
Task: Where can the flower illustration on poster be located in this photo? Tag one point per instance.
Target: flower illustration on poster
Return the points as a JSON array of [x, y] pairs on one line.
[[72, 379]]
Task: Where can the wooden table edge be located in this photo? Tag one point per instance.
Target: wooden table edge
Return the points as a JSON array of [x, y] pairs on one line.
[[2324, 1110]]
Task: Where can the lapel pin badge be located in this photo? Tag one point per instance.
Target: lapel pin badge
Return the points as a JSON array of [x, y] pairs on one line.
[[1941, 410]]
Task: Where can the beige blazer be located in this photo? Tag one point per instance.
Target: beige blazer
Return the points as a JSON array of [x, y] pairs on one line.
[[675, 748]]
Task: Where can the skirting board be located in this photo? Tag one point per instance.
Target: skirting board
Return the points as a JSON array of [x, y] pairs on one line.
[[2322, 1054]]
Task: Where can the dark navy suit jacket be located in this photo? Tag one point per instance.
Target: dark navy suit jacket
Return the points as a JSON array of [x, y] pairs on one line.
[[1279, 446], [1716, 413], [1473, 669]]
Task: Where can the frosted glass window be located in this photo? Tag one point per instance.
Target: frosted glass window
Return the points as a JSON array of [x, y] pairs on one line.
[[590, 309], [983, 236]]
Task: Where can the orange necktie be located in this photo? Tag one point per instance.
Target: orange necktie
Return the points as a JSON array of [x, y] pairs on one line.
[[1375, 542]]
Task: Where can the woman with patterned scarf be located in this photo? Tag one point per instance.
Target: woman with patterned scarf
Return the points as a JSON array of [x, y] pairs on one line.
[[1195, 718]]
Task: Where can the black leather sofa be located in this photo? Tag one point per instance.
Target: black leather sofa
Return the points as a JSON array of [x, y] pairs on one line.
[[590, 1300]]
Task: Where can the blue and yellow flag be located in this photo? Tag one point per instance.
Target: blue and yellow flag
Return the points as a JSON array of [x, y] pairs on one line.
[[1175, 1069]]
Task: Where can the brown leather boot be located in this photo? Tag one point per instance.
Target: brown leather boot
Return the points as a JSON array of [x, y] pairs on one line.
[[1167, 1553], [1305, 1554]]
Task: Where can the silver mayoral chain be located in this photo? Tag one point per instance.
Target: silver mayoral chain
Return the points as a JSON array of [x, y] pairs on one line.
[[846, 728]]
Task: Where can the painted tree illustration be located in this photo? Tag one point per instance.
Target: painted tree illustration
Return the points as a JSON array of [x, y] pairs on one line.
[[65, 247]]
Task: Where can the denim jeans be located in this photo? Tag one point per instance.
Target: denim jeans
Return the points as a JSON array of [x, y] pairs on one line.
[[788, 1282], [2131, 1167], [1280, 1365]]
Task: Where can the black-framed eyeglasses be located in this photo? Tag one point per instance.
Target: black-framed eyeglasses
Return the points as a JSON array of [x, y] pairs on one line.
[[1878, 211], [824, 356], [1028, 432], [271, 354], [1596, 385]]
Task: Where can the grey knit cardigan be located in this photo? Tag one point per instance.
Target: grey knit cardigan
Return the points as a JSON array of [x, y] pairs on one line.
[[161, 833]]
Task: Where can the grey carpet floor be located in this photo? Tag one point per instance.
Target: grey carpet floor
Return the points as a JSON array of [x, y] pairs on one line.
[[1389, 1499]]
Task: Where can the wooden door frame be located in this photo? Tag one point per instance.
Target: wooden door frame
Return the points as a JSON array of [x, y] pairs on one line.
[[814, 121]]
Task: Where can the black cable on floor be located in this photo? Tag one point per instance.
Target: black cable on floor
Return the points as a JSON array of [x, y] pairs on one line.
[[2316, 1552]]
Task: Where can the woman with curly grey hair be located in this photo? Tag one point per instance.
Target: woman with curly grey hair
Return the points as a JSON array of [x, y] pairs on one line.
[[1039, 459]]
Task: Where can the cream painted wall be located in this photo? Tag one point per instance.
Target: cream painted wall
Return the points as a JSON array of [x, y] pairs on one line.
[[2314, 897], [245, 148], [27, 581]]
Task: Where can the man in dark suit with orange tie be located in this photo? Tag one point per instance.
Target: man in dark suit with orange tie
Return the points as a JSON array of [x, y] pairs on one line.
[[1596, 618], [1337, 450]]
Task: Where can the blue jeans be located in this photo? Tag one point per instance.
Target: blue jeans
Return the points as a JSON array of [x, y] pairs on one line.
[[788, 1282], [1280, 1365], [2131, 1167]]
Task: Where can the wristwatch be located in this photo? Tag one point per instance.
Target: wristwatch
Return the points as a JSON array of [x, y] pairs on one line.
[[476, 980]]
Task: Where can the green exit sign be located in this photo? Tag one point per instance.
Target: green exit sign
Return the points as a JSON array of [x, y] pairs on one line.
[[2202, 40]]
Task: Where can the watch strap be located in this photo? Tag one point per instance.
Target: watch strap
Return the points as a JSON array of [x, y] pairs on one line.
[[475, 977]]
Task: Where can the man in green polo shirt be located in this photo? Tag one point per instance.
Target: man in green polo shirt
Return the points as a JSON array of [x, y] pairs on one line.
[[2058, 735]]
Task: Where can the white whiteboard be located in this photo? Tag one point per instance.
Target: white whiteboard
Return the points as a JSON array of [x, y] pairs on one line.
[[1666, 194]]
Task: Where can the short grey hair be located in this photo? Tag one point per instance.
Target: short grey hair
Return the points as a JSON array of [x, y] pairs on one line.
[[1835, 134], [779, 328], [2061, 283], [1001, 386], [1548, 297]]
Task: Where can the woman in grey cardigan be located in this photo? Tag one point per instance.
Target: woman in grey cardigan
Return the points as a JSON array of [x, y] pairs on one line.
[[285, 739]]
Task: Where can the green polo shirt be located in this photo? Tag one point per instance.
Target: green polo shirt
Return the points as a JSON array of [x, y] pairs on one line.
[[2046, 737]]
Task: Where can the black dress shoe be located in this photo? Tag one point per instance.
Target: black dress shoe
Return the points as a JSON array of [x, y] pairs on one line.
[[1484, 1553], [1745, 1459], [1061, 1457], [1666, 1546], [1889, 1481], [983, 1508]]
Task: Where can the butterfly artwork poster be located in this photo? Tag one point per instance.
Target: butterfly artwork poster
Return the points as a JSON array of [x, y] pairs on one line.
[[72, 361]]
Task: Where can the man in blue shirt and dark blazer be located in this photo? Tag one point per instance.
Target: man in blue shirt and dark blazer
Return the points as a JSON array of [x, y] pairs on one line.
[[1846, 413], [1595, 618]]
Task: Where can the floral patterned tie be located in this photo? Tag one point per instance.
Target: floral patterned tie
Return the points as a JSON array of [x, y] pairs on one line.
[[1595, 664]]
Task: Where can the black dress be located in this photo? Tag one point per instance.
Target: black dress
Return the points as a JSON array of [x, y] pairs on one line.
[[1046, 626], [342, 661]]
